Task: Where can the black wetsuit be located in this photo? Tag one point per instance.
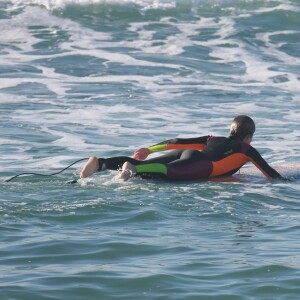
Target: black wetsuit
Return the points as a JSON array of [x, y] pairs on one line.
[[195, 158]]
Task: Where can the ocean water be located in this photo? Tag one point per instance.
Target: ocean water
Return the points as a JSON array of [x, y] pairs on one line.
[[95, 77]]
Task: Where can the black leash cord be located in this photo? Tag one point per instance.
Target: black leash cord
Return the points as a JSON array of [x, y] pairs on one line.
[[39, 174]]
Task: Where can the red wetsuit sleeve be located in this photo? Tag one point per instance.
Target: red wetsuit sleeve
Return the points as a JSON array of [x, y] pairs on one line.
[[261, 164], [198, 143]]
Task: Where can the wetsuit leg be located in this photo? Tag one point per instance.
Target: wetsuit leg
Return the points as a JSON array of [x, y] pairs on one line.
[[191, 165], [183, 164], [166, 158], [116, 163]]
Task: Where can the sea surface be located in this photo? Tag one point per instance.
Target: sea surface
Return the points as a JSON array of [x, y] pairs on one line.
[[106, 77]]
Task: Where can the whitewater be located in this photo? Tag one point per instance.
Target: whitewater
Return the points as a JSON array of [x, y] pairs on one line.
[[81, 78]]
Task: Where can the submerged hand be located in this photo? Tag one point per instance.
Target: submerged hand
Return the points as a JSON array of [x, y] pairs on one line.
[[141, 154]]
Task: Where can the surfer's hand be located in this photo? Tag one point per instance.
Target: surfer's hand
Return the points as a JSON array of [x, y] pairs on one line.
[[141, 154]]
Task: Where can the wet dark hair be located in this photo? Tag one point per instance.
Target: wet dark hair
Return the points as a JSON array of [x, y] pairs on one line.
[[242, 126]]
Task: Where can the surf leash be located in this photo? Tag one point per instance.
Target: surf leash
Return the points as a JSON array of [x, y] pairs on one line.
[[52, 174]]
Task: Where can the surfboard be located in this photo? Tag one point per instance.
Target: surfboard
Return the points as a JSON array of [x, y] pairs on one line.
[[289, 170]]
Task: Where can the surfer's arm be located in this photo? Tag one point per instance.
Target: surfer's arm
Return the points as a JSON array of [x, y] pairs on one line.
[[198, 143], [262, 165]]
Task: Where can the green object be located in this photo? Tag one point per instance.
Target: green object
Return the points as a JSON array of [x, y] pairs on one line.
[[151, 168]]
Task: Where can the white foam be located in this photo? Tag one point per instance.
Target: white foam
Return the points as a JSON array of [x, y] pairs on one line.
[[164, 118], [83, 41], [88, 42], [284, 6], [61, 4], [257, 69]]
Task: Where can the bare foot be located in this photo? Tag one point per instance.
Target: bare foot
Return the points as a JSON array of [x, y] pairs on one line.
[[90, 167], [128, 171]]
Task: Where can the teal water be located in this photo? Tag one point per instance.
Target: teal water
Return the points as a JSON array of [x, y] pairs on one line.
[[81, 78]]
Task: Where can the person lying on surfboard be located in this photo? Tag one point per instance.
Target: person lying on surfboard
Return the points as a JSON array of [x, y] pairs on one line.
[[191, 158]]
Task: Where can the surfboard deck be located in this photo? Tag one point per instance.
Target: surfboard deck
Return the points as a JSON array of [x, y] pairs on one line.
[[289, 170]]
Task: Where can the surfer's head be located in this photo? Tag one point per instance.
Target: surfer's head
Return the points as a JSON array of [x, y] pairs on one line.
[[243, 127]]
